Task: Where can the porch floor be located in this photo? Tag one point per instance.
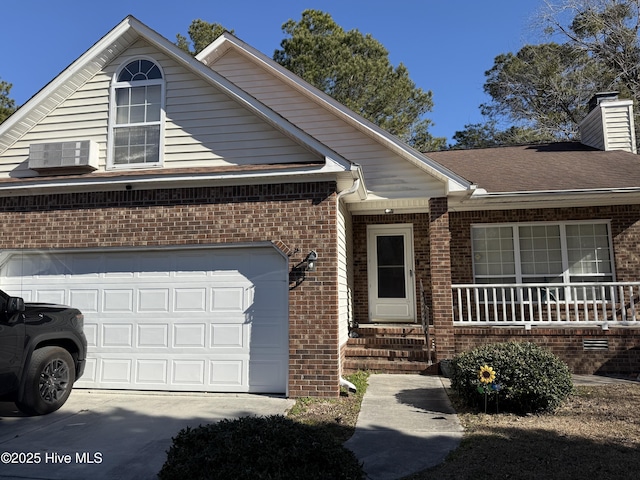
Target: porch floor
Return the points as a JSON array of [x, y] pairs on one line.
[[389, 348]]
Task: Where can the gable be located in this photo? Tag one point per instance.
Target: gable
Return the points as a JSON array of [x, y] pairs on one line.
[[387, 173], [203, 127]]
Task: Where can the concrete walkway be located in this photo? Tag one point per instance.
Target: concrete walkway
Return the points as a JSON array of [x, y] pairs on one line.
[[406, 424]]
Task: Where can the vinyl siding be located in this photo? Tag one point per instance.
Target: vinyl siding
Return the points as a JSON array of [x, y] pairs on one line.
[[609, 127], [345, 272], [203, 126], [387, 175]]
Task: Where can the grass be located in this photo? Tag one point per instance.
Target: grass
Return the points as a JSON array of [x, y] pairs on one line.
[[595, 434], [339, 415]]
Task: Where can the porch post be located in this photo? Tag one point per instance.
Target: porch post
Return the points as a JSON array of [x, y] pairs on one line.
[[440, 274]]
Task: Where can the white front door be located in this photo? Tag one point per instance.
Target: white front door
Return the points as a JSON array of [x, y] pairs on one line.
[[391, 273]]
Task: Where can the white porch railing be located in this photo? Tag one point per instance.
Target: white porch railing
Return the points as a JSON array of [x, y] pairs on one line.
[[547, 303]]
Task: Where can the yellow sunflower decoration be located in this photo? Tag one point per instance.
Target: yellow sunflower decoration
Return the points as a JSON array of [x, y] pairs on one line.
[[486, 374]]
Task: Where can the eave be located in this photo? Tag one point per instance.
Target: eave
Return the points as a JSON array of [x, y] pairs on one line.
[[482, 200], [172, 178]]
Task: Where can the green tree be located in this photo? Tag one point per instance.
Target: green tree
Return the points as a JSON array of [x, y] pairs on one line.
[[7, 105], [355, 70], [201, 34], [485, 135], [606, 30], [544, 88]]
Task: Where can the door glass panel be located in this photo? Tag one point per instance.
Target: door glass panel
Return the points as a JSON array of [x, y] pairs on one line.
[[391, 270]]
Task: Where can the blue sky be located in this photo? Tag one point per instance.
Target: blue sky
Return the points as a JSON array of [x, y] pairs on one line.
[[447, 45]]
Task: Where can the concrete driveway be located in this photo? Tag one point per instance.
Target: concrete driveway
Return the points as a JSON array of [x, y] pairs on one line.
[[113, 435]]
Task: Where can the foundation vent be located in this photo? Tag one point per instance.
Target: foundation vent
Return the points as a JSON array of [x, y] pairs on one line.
[[594, 344]]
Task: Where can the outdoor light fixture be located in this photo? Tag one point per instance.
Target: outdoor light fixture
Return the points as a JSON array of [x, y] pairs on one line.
[[311, 260], [388, 210]]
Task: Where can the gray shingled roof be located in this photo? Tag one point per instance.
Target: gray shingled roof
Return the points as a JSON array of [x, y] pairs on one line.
[[548, 167]]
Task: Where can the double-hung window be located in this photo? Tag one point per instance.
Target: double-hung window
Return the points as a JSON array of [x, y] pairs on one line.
[[569, 252], [137, 113]]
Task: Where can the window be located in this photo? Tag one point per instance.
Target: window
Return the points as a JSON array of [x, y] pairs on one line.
[[542, 253], [137, 104]]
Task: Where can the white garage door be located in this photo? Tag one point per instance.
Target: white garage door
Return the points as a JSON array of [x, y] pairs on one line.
[[210, 320]]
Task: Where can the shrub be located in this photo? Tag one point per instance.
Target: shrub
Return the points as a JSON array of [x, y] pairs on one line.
[[531, 378], [273, 447]]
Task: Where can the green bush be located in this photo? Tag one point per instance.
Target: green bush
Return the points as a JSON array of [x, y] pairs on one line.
[[273, 447], [531, 379]]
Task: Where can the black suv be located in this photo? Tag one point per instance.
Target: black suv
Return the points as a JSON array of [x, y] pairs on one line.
[[42, 353]]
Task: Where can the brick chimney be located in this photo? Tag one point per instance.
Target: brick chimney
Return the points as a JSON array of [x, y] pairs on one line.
[[609, 124]]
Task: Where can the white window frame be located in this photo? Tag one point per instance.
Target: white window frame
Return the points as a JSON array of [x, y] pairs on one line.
[[115, 85], [566, 275]]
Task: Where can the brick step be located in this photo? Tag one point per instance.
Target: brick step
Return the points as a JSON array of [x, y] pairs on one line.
[[404, 343], [385, 353], [388, 349], [388, 366], [383, 332]]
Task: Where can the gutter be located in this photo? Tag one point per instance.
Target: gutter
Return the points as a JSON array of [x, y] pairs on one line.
[[480, 199], [147, 182], [357, 186]]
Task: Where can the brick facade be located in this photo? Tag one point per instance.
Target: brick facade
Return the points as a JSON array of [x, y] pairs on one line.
[[442, 244], [623, 353], [296, 217], [625, 232], [440, 271]]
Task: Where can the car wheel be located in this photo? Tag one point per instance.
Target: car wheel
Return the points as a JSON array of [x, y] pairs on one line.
[[49, 381]]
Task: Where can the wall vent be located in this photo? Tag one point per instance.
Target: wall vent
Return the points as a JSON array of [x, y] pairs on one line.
[[64, 157], [593, 344]]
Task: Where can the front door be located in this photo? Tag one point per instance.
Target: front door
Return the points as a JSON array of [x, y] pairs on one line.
[[391, 273]]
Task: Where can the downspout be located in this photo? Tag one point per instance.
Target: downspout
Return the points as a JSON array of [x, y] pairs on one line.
[[350, 191]]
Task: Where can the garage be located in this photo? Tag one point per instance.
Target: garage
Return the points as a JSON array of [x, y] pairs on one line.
[[184, 319]]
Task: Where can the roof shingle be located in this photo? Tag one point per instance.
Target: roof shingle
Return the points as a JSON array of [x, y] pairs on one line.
[[547, 167]]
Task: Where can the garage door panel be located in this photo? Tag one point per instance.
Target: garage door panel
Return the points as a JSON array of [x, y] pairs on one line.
[[264, 373], [231, 373], [190, 299], [229, 336], [115, 371], [154, 372], [153, 335], [189, 335], [196, 320], [188, 372], [86, 300], [87, 265], [268, 335], [117, 300], [153, 300], [230, 299], [56, 296]]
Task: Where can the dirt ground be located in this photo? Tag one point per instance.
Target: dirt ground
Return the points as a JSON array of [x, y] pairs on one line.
[[595, 434]]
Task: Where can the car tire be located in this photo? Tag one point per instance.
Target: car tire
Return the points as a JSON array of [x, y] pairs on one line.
[[49, 380]]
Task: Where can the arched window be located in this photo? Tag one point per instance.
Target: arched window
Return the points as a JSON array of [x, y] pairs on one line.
[[137, 113]]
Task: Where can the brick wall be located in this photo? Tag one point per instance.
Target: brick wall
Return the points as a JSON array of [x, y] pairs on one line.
[[625, 231], [440, 271], [297, 217], [622, 355]]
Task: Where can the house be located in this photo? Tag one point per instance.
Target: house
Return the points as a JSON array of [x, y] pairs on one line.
[[225, 226]]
